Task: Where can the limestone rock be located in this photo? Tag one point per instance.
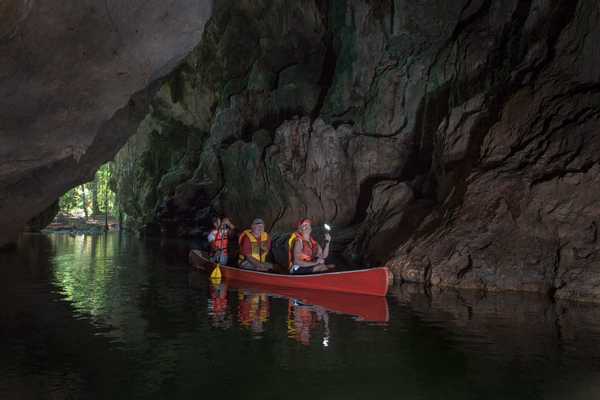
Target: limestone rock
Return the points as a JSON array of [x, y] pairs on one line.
[[456, 140], [75, 80]]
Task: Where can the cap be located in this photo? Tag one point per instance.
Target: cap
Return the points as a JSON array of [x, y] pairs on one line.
[[258, 221]]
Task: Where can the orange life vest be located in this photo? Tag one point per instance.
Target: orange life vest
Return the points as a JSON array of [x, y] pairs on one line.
[[219, 301], [221, 241], [257, 251], [310, 248]]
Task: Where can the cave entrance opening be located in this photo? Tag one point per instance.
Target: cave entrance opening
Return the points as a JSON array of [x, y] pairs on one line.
[[91, 206]]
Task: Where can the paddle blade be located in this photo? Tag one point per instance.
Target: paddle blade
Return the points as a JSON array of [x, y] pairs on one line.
[[216, 275]]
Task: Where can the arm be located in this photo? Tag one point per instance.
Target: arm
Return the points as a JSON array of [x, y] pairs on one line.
[[298, 256], [324, 252], [211, 236], [253, 261], [266, 246], [211, 239], [226, 221]]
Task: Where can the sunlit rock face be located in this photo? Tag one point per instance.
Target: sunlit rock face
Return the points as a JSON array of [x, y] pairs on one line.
[[75, 80]]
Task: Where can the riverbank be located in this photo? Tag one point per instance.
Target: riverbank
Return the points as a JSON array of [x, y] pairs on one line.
[[70, 224]]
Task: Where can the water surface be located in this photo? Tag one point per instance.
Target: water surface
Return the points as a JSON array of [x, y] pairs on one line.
[[115, 317]]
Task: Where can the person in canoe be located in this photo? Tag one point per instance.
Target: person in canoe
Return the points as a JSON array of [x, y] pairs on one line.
[[306, 256], [255, 244], [218, 239]]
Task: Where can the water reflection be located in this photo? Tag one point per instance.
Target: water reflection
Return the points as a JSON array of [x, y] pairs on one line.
[[120, 318], [254, 310], [217, 306], [93, 276], [307, 310], [304, 320]]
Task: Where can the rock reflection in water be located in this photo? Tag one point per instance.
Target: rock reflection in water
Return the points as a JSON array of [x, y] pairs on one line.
[[509, 322]]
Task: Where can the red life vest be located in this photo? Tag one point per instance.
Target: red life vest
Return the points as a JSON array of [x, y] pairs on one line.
[[221, 241], [310, 248]]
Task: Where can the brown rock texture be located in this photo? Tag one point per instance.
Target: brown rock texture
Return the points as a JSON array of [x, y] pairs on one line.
[[516, 160], [456, 141], [75, 80]]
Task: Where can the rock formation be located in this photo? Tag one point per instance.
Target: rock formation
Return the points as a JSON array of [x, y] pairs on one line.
[[453, 139], [517, 156], [75, 80]]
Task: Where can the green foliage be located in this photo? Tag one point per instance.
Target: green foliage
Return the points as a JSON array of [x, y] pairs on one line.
[[72, 202]]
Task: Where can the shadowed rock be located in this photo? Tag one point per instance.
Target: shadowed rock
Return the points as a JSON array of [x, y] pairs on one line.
[[457, 139], [66, 70]]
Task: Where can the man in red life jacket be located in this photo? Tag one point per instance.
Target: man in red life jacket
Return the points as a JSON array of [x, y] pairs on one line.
[[255, 244], [218, 239], [305, 255]]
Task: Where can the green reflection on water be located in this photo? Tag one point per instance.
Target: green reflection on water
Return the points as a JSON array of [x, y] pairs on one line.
[[96, 275], [154, 336]]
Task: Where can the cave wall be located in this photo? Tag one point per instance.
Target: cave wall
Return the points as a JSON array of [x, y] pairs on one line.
[[273, 101], [454, 140], [75, 80], [518, 159]]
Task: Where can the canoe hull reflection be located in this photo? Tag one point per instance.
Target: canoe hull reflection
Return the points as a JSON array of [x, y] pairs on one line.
[[364, 307]]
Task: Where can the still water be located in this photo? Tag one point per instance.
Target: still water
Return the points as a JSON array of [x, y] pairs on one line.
[[115, 317]]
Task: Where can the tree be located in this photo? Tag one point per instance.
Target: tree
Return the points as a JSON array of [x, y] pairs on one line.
[[93, 185], [69, 201], [106, 195], [102, 199], [83, 201]]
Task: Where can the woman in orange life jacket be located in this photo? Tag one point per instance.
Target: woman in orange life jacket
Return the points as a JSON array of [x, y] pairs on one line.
[[255, 244], [217, 306], [306, 256], [218, 239]]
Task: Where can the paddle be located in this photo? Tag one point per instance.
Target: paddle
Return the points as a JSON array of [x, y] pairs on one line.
[[216, 275]]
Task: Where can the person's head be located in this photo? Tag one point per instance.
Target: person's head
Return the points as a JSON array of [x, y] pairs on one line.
[[257, 227], [305, 227], [216, 221]]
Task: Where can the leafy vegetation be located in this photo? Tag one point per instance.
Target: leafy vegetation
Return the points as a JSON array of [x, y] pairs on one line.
[[92, 199]]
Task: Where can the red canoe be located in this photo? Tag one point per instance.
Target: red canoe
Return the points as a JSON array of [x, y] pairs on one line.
[[374, 281]]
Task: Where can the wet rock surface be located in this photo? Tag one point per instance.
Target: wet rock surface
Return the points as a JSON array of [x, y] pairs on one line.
[[455, 140]]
